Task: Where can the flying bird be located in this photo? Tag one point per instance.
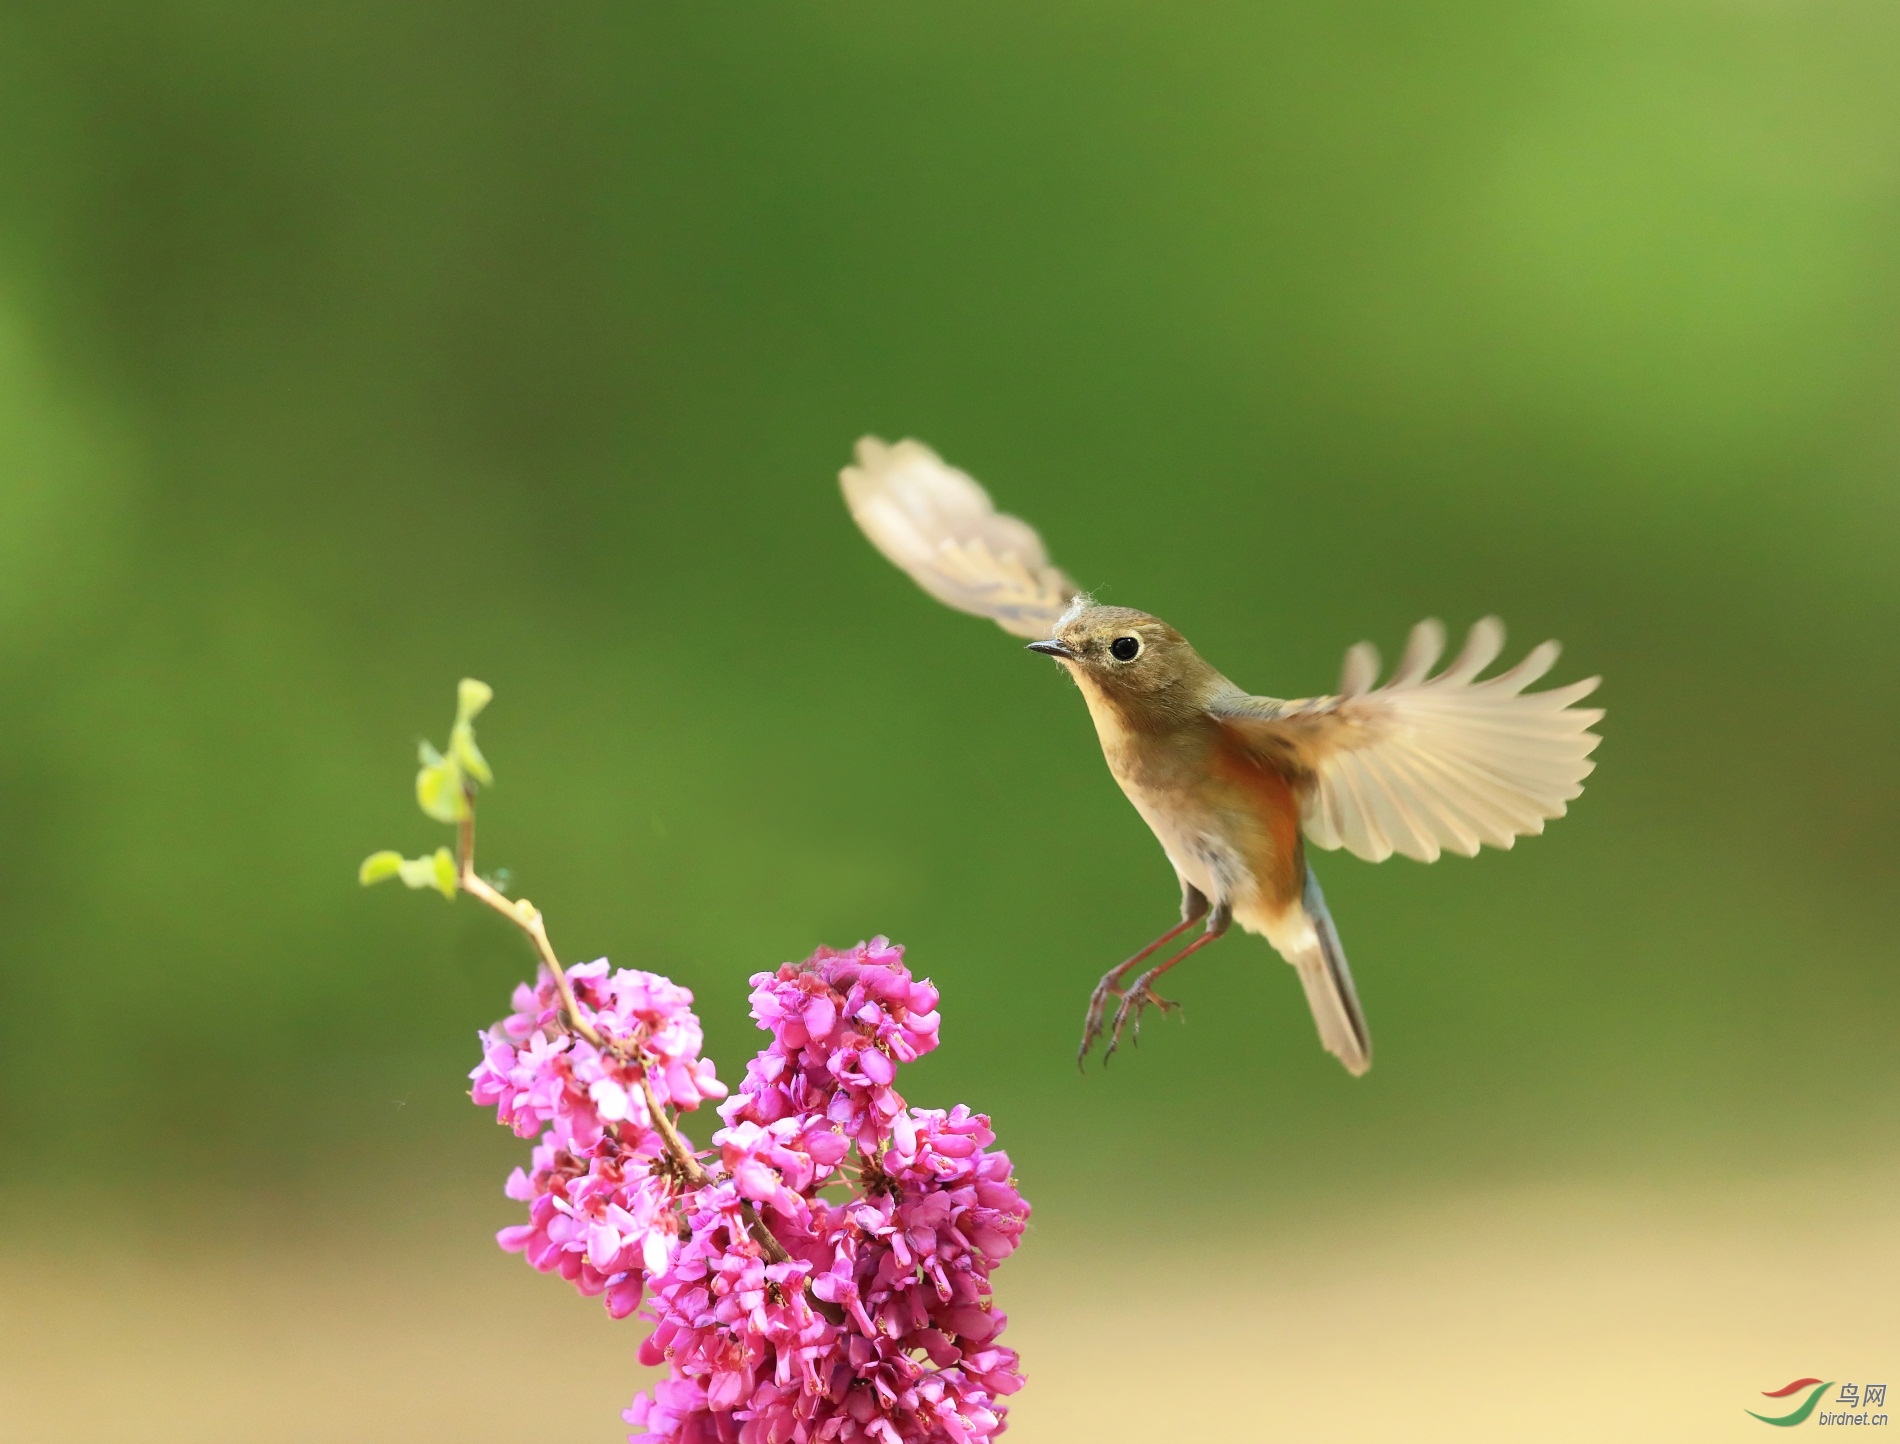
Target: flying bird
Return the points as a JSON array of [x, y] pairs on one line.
[[1234, 786]]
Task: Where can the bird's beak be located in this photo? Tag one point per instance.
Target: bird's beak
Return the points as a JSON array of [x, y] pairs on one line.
[[1053, 648]]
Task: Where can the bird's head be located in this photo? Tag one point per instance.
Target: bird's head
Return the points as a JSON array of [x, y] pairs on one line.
[[1131, 658]]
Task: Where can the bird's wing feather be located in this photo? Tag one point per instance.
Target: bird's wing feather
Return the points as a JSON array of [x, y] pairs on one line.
[[1427, 763], [939, 525]]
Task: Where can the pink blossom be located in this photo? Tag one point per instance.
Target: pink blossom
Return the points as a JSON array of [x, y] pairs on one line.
[[840, 1023], [535, 1072], [881, 1324], [600, 1213]]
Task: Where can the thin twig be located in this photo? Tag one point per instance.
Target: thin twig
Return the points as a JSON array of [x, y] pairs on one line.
[[676, 1145], [522, 914]]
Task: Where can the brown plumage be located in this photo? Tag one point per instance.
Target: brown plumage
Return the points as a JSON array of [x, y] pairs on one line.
[[1234, 785]]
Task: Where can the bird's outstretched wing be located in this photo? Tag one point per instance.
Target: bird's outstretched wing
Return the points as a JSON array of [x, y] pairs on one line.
[[1425, 763], [939, 525]]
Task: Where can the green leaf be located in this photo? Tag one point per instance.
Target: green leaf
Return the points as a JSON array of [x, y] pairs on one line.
[[463, 749], [439, 786], [442, 783], [379, 867], [437, 870], [470, 697]]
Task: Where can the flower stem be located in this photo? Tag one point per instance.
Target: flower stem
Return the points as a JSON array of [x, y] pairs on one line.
[[522, 914], [676, 1146]]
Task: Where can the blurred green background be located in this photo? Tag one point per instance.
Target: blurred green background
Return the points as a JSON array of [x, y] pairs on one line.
[[346, 350]]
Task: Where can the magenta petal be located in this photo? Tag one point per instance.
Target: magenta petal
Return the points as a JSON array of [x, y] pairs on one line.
[[820, 1017], [727, 1390]]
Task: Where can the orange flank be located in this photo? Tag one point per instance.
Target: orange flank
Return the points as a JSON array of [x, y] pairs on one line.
[[1279, 867]]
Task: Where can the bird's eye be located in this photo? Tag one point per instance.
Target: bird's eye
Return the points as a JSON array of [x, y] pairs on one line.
[[1125, 649]]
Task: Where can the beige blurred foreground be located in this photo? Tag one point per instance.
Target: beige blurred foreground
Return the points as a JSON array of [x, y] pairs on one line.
[[1559, 1314]]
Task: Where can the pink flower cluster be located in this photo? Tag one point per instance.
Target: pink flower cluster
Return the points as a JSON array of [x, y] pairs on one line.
[[600, 1213], [840, 1025], [784, 1317]]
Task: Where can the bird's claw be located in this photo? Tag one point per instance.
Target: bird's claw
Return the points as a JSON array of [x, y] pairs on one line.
[[1092, 1024], [1138, 996]]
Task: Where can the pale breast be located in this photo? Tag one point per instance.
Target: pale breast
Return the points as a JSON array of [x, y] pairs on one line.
[[1207, 831]]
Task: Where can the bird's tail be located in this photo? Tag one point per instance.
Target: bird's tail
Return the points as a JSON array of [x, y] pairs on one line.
[[1321, 962]]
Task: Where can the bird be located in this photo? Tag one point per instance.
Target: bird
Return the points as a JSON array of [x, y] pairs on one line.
[[1236, 786]]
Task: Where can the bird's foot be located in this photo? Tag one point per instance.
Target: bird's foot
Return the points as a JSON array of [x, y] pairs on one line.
[[1098, 1007], [1138, 996]]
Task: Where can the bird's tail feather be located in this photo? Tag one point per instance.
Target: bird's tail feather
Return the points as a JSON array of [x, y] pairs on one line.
[[1321, 963]]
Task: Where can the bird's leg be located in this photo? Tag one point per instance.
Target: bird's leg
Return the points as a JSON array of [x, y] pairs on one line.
[[1141, 992], [1098, 1000], [1193, 909]]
